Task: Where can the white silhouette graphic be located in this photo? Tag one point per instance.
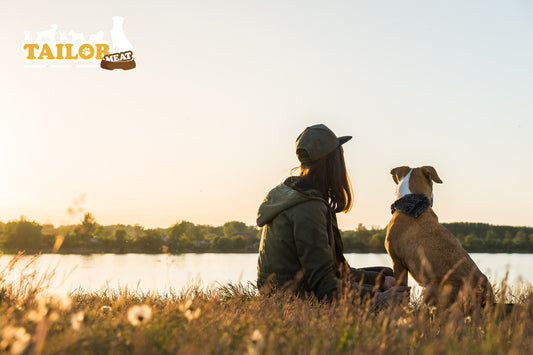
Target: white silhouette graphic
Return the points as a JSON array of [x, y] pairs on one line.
[[96, 38], [47, 34], [114, 53], [75, 37], [120, 42]]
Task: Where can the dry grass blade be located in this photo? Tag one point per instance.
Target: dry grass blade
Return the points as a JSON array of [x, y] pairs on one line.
[[235, 318]]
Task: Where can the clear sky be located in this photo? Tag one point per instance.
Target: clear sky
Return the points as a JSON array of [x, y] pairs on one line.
[[205, 125]]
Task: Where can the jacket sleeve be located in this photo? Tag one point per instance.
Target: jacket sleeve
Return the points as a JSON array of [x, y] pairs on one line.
[[310, 230], [311, 237], [367, 277]]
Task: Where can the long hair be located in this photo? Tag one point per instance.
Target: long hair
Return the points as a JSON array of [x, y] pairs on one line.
[[330, 177]]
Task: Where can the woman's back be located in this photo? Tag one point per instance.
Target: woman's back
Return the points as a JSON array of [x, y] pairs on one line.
[[296, 237]]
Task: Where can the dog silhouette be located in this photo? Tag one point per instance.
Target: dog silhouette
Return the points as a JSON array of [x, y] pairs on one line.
[[62, 37], [47, 34], [120, 42], [98, 37], [27, 37], [76, 36]]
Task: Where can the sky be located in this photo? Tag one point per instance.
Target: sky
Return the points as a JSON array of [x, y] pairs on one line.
[[206, 124]]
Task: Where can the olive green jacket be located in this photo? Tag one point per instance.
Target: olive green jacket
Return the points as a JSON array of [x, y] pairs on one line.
[[301, 247]]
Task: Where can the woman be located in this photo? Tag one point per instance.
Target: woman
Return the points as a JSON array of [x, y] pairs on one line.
[[301, 247]]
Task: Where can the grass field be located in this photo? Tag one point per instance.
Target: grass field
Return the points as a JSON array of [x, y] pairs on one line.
[[234, 319]]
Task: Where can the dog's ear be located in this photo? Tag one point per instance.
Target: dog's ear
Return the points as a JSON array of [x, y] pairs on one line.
[[431, 173], [399, 172]]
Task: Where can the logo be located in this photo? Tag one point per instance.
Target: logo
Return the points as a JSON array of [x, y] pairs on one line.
[[56, 48]]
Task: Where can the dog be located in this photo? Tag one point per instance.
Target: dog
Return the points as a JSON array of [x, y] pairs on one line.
[[96, 38], [120, 42], [417, 243], [76, 37], [47, 34]]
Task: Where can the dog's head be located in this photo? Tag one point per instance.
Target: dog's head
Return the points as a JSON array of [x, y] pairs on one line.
[[118, 20], [415, 180]]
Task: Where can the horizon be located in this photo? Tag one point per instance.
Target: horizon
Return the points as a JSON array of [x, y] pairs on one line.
[[368, 227], [205, 125]]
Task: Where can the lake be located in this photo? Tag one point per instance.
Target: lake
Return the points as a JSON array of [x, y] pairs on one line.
[[162, 272]]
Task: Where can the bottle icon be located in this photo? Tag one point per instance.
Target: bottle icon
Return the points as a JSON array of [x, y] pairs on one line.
[[122, 50], [120, 42]]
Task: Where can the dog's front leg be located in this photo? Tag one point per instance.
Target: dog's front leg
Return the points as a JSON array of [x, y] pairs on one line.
[[400, 273]]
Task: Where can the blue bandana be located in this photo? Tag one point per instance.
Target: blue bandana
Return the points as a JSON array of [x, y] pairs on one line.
[[412, 204]]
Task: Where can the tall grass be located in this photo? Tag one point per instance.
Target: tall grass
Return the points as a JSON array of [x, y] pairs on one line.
[[235, 319]]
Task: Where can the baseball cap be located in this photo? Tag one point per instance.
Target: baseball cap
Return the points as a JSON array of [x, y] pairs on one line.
[[318, 141]]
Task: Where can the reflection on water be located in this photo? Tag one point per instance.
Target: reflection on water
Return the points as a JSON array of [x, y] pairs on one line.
[[162, 272]]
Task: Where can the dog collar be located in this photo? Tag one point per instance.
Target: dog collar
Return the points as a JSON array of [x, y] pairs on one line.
[[411, 204]]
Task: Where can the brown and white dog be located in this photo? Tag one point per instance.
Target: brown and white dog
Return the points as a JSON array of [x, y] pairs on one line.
[[417, 243]]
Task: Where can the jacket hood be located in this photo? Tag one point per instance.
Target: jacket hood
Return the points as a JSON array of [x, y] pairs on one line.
[[294, 190]]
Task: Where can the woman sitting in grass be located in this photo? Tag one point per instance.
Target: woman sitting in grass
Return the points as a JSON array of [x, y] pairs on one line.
[[301, 247]]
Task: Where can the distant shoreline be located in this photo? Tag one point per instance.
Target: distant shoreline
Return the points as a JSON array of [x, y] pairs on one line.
[[89, 237]]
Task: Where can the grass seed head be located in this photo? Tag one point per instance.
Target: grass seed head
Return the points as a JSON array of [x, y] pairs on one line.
[[14, 340], [184, 307], [256, 343], [138, 315], [76, 320], [192, 315]]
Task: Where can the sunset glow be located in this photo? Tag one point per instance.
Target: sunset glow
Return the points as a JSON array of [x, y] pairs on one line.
[[205, 125]]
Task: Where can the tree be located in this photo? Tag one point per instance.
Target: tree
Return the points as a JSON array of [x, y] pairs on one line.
[[180, 236], [150, 241], [377, 242], [234, 227], [120, 236], [491, 238], [473, 243], [89, 224], [508, 240], [521, 239], [23, 235], [178, 230], [79, 239], [238, 242], [363, 234]]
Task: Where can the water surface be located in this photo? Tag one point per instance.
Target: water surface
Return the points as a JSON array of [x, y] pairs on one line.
[[162, 272]]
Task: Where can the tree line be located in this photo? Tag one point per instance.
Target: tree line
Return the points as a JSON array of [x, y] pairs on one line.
[[474, 237], [185, 237]]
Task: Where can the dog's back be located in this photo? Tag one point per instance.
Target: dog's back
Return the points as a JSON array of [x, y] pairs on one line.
[[434, 258]]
